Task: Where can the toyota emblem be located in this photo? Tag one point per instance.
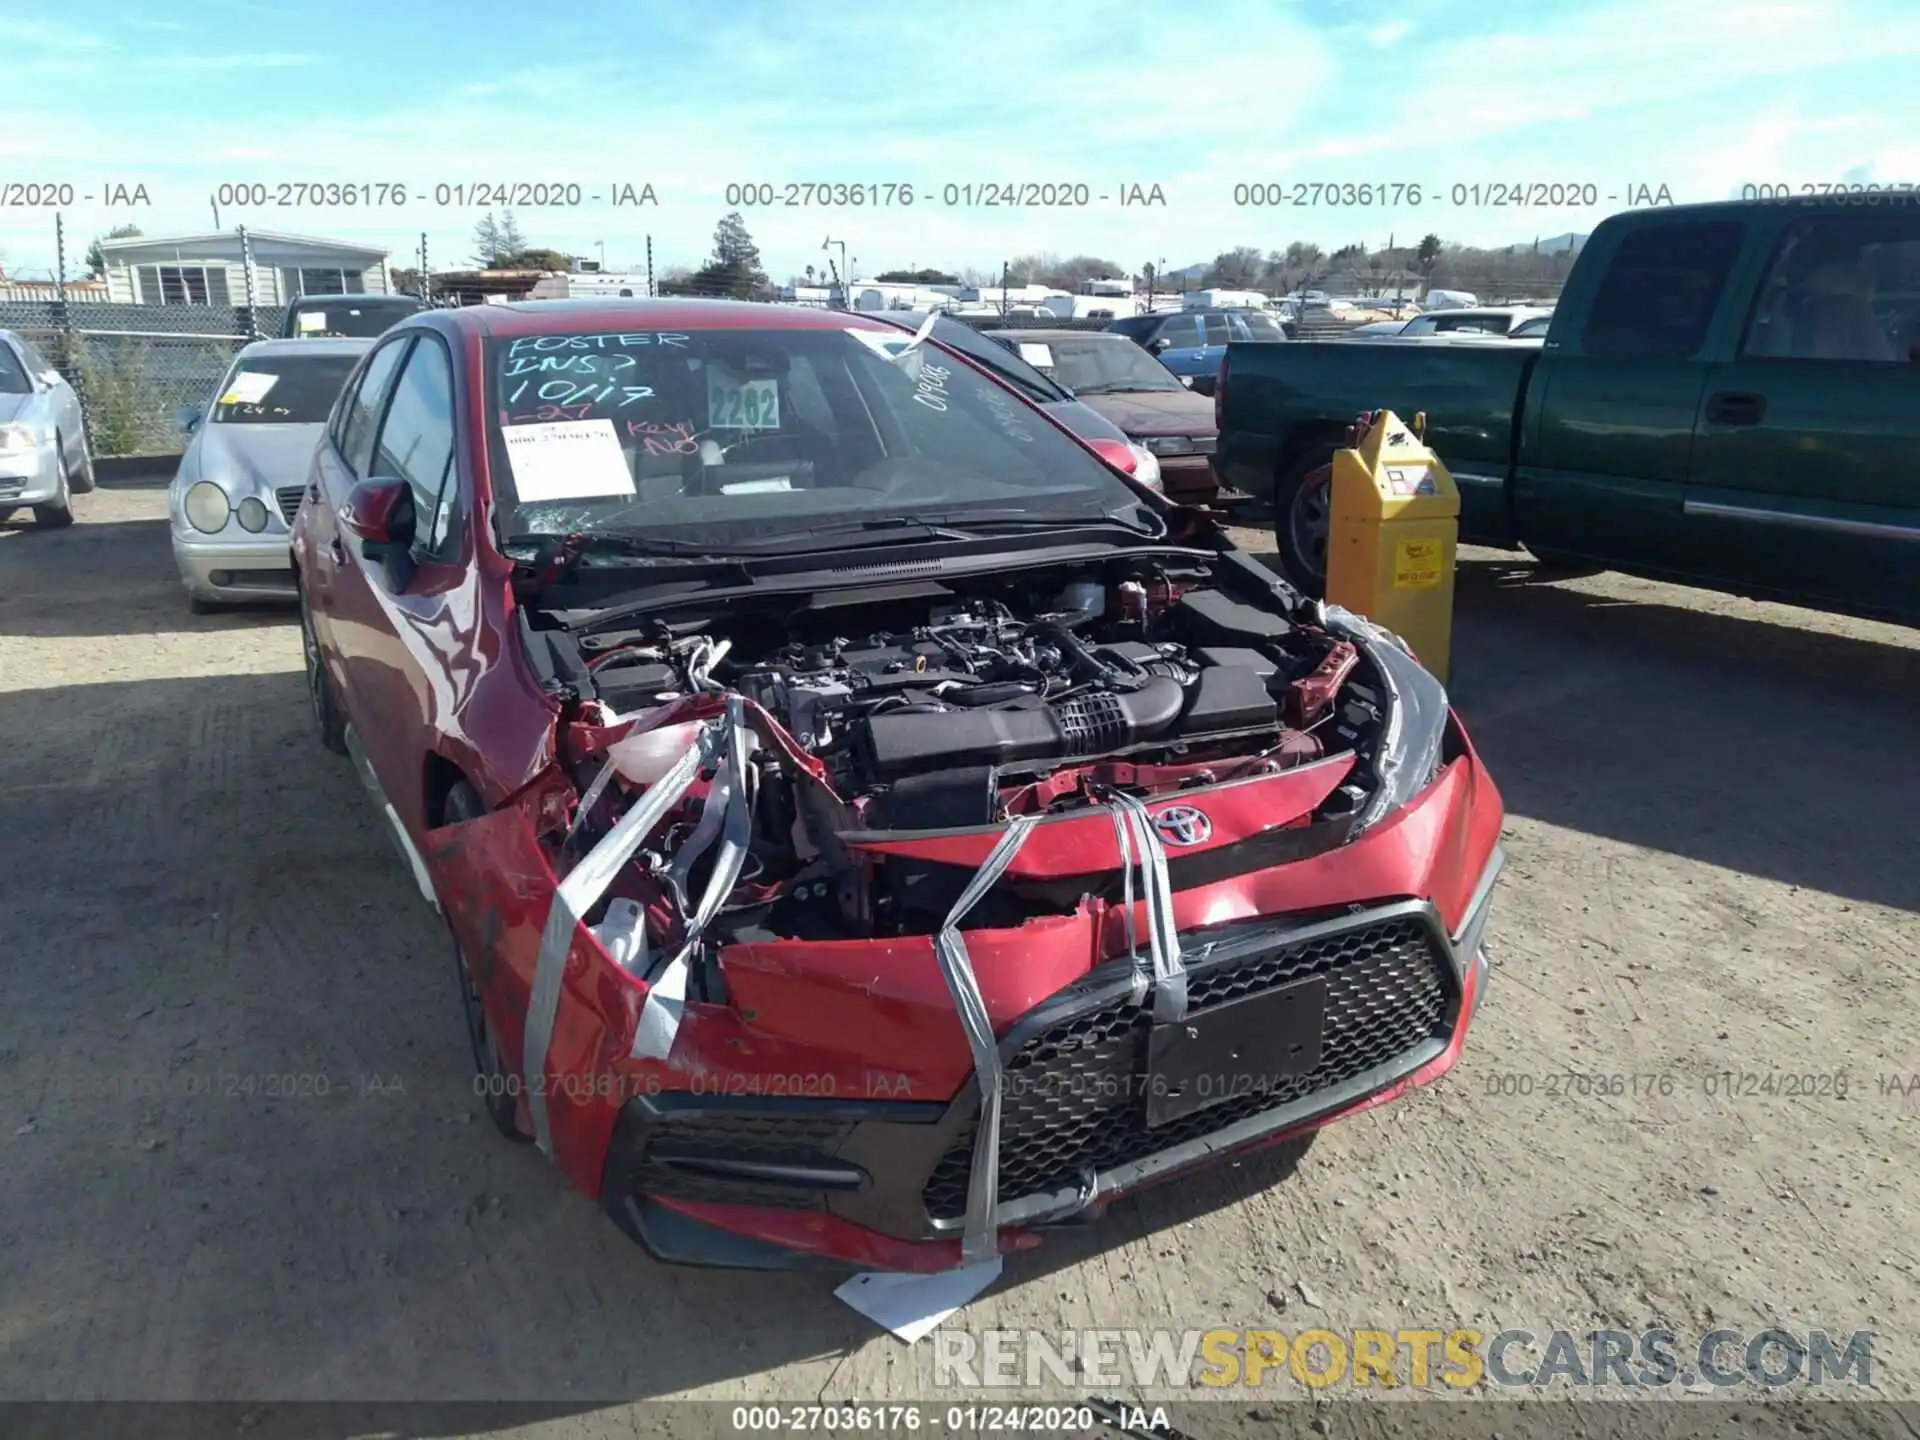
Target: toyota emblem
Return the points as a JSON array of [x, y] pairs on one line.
[[1182, 825]]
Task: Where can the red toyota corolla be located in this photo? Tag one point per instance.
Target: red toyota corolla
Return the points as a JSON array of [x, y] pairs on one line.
[[873, 829]]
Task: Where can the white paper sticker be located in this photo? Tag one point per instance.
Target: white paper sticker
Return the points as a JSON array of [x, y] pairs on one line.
[[312, 320], [741, 404], [1040, 355], [566, 460], [885, 344], [249, 388], [770, 486]]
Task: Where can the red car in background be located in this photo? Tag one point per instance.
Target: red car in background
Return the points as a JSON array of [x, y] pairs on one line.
[[872, 828]]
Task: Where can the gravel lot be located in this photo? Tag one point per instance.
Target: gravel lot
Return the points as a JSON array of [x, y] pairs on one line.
[[240, 1158]]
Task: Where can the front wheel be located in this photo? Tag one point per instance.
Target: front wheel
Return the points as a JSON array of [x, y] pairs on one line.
[[1302, 518], [57, 513], [81, 478], [499, 1092]]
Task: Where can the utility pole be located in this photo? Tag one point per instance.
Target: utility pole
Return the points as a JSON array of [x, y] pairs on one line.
[[649, 267], [1006, 274]]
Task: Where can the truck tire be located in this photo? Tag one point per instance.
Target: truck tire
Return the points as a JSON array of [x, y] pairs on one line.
[[499, 1092], [1551, 564], [1300, 518]]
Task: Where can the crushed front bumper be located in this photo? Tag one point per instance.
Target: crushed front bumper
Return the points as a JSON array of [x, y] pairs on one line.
[[750, 1130], [769, 1182]]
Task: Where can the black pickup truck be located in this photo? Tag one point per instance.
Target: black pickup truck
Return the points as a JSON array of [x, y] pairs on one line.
[[1727, 395]]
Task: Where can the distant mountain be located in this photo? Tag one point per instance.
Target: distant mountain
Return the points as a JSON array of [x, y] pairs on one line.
[[1568, 243]]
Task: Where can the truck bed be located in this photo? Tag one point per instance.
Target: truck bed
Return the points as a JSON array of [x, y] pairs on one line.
[[1287, 401]]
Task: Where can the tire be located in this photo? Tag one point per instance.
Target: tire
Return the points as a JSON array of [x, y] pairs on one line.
[[57, 513], [1550, 564], [80, 480], [505, 1106], [328, 718], [1300, 519]]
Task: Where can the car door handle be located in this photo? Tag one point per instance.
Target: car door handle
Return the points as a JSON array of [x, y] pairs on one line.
[[337, 550], [1735, 408]]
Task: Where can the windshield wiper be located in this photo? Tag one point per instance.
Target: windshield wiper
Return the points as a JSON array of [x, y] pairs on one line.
[[953, 525], [556, 555], [1105, 387]]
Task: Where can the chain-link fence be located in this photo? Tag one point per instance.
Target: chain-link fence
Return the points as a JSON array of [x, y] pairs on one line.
[[135, 366]]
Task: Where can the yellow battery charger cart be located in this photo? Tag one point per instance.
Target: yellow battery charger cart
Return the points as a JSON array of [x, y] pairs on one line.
[[1394, 524]]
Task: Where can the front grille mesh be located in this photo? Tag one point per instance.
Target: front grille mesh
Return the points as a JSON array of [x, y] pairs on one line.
[[1071, 1100], [770, 1139], [289, 498]]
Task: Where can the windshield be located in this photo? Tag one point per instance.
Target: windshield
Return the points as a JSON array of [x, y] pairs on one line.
[[1527, 329], [282, 390], [1262, 326], [13, 379], [719, 436], [347, 319], [1105, 367]]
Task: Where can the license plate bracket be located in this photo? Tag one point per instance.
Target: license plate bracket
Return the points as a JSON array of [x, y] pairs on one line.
[[1242, 1047]]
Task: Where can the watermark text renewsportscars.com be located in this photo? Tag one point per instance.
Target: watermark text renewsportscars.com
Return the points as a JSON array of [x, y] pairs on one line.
[[1439, 1360]]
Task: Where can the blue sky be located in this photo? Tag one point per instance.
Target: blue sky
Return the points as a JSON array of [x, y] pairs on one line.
[[1195, 98]]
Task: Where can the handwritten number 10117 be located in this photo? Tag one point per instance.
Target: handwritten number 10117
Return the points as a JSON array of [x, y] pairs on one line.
[[567, 392]]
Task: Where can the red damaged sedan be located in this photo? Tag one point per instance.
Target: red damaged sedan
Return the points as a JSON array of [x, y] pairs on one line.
[[873, 829]]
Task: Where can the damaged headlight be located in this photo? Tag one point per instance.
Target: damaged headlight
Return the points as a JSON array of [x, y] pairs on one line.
[[1408, 756]]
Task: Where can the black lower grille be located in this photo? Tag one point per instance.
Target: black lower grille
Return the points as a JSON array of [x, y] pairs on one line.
[[289, 497], [1071, 1102], [772, 1140]]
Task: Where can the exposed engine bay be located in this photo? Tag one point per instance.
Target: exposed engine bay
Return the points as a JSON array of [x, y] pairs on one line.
[[935, 706]]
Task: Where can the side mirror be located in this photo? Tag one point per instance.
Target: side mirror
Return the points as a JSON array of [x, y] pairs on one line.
[[1159, 345], [379, 514], [188, 417]]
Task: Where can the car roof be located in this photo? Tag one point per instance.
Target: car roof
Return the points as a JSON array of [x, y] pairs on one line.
[[294, 346], [579, 317], [301, 301]]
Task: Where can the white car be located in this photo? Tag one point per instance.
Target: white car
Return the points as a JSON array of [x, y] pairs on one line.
[[43, 440], [245, 469]]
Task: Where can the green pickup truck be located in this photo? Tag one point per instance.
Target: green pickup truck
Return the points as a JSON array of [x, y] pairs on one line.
[[1728, 395]]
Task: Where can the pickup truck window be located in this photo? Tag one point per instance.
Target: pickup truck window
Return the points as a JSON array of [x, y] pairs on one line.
[[1658, 296], [1841, 287]]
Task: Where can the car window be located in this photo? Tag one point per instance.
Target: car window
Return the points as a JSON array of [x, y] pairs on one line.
[[1841, 287], [1480, 324], [1096, 365], [346, 317], [1530, 329], [999, 356], [1180, 332], [1425, 325], [281, 389], [1260, 326], [362, 414], [1659, 293], [1221, 329], [1134, 327], [14, 379], [416, 440], [725, 435], [36, 362]]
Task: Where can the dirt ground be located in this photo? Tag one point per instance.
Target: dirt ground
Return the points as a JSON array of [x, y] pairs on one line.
[[241, 1159]]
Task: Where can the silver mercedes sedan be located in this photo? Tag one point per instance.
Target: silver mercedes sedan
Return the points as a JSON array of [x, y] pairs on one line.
[[245, 468]]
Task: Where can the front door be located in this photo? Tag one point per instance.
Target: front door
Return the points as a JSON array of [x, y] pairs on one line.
[[1610, 410], [1806, 460], [415, 658]]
